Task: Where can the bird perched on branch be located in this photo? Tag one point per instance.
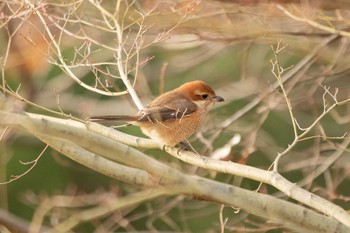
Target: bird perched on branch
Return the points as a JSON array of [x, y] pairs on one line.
[[174, 116]]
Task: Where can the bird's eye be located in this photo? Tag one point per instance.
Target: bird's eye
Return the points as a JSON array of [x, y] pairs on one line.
[[204, 96]]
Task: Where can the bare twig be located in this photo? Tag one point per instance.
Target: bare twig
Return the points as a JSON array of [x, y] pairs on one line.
[[314, 23], [277, 71], [32, 165]]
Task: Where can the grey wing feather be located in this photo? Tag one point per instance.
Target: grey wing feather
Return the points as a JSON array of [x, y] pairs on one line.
[[176, 109]]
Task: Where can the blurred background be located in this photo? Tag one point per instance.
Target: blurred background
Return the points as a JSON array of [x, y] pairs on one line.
[[165, 44]]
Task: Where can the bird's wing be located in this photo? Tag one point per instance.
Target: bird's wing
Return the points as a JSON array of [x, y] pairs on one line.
[[176, 108]]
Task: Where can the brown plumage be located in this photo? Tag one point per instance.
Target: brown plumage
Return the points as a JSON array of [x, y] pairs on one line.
[[173, 116]]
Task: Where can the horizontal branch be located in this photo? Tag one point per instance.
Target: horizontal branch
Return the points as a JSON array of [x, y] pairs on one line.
[[96, 162], [77, 141], [110, 207], [268, 177]]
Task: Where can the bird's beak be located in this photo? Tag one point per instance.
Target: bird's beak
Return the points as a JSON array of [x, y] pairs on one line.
[[219, 99]]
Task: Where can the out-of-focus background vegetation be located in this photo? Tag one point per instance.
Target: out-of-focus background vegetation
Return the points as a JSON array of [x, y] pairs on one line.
[[228, 44]]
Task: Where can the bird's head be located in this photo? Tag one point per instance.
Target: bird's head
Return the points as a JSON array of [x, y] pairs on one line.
[[200, 93]]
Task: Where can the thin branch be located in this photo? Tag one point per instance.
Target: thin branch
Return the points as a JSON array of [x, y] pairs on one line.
[[289, 75], [61, 57], [295, 125], [32, 165], [314, 23], [119, 49], [108, 208]]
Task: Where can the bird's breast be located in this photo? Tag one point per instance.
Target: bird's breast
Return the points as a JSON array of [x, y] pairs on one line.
[[174, 131]]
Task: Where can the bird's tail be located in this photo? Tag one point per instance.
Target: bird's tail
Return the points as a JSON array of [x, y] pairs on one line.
[[109, 118]]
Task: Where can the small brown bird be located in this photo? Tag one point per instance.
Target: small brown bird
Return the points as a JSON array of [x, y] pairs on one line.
[[173, 116]]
